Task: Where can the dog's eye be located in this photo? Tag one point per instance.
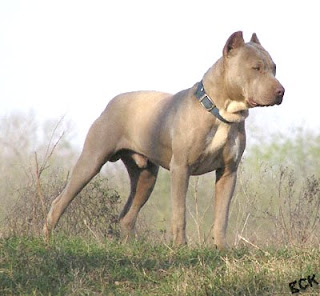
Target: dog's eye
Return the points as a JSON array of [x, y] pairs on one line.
[[256, 68]]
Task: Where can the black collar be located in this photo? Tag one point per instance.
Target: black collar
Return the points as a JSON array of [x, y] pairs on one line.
[[207, 102]]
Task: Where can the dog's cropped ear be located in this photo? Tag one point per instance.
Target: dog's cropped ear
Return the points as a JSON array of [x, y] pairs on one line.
[[234, 41], [254, 39]]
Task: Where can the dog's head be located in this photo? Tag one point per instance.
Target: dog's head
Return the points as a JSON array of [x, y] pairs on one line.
[[249, 73]]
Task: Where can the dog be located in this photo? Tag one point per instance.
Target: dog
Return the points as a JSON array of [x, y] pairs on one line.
[[198, 130]]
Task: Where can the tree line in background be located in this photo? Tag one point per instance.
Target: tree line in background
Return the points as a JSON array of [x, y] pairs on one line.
[[277, 200]]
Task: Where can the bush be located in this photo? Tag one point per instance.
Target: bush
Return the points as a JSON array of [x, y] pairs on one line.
[[93, 212], [42, 177], [274, 206]]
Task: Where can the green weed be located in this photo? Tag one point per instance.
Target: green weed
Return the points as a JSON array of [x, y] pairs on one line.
[[75, 266]]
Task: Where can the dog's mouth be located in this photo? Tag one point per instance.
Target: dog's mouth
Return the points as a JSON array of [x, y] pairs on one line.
[[277, 100], [252, 103]]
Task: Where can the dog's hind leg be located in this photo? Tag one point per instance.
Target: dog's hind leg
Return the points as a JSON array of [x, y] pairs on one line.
[[97, 150], [143, 175]]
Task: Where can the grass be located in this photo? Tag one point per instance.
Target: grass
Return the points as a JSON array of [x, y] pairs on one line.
[[73, 266]]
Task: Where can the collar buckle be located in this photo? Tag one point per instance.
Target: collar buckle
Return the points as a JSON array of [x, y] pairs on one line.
[[206, 104]]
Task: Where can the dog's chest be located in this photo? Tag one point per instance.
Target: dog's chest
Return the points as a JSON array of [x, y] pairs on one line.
[[221, 146]]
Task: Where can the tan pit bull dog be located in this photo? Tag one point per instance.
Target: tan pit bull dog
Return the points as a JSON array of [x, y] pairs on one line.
[[198, 130]]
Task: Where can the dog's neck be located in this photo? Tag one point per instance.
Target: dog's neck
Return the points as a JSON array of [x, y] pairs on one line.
[[214, 85]]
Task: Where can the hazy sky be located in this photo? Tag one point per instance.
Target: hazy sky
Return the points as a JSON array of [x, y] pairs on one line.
[[71, 57]]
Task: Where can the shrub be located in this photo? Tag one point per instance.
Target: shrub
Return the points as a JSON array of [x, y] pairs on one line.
[[93, 212], [276, 207]]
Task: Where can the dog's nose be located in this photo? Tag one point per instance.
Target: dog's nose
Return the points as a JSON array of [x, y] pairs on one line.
[[280, 92], [279, 95]]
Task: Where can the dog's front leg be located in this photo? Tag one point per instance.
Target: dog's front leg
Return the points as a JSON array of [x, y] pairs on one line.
[[225, 184], [179, 187]]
